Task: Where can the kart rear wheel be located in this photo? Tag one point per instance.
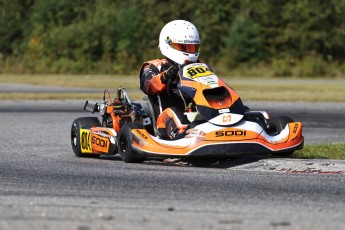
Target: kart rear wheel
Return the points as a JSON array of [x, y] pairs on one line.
[[275, 126], [83, 122], [126, 151]]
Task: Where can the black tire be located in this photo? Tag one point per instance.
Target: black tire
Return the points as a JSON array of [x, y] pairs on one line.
[[126, 151], [83, 122], [275, 126]]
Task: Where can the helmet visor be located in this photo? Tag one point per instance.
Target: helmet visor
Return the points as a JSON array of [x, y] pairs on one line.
[[187, 48]]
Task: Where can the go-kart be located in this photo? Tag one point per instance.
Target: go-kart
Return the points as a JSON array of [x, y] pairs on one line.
[[220, 126]]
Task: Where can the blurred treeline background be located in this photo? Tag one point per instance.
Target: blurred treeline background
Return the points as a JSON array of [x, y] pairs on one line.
[[299, 38]]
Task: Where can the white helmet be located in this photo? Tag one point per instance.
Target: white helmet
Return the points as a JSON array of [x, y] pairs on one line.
[[179, 41]]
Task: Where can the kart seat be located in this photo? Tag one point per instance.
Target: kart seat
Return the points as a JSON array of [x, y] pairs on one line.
[[148, 107]]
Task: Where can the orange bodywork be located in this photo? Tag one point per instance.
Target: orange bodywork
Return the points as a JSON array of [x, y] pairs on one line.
[[199, 98], [100, 139], [202, 79], [145, 142], [116, 119]]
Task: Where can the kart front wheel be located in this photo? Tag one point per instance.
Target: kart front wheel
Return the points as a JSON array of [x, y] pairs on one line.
[[275, 126], [126, 151], [83, 122]]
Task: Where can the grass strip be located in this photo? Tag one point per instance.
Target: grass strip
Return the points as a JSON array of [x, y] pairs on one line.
[[309, 90], [62, 96], [321, 151], [79, 81]]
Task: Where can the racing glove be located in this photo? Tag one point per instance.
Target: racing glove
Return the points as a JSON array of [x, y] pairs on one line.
[[171, 73]]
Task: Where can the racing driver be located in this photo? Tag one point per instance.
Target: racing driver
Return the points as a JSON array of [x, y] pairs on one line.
[[179, 43]]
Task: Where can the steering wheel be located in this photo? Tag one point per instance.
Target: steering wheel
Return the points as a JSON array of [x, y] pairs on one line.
[[170, 86]]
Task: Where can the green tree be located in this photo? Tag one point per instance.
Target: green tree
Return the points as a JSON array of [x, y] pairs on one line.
[[14, 16], [244, 40], [115, 36]]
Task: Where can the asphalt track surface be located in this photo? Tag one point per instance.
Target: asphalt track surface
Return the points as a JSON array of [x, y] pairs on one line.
[[44, 186]]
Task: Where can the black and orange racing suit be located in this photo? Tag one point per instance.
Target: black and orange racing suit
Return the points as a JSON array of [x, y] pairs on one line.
[[168, 110]]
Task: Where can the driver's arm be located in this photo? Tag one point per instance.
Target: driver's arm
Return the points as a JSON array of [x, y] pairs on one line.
[[151, 80]]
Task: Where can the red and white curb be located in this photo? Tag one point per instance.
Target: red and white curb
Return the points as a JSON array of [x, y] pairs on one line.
[[312, 166]]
